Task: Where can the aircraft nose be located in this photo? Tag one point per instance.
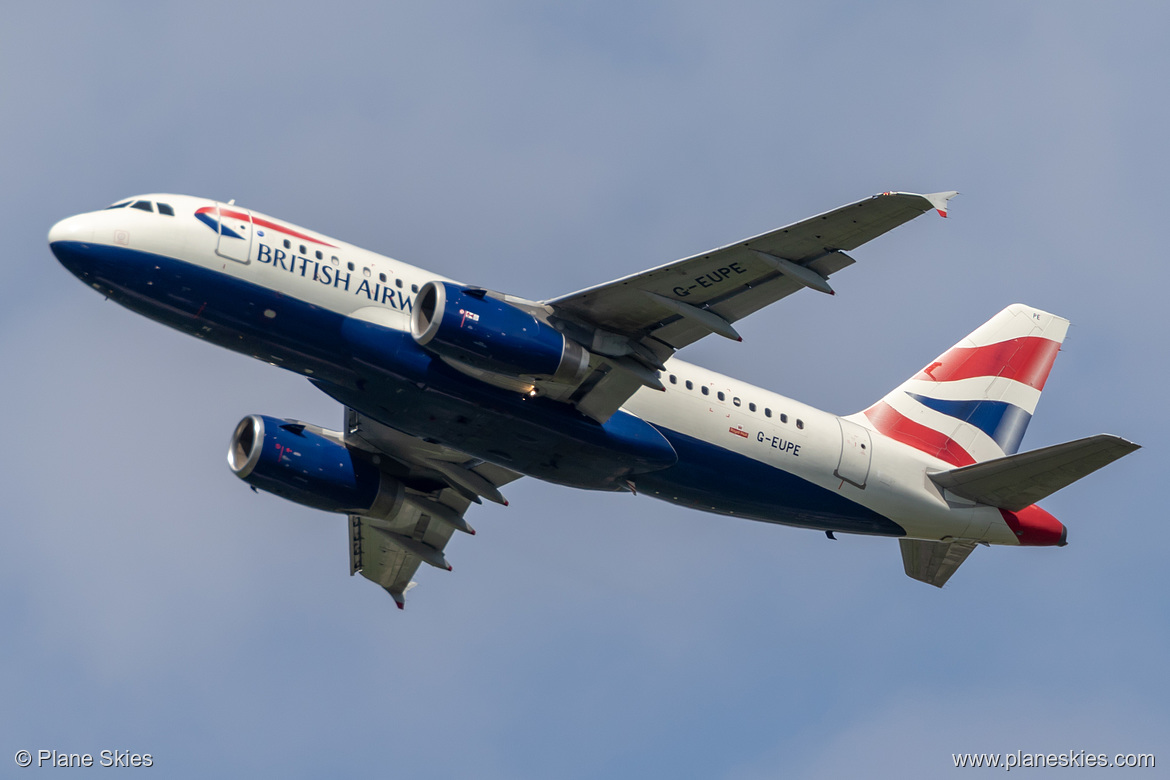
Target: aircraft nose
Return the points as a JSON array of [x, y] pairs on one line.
[[77, 228], [70, 240]]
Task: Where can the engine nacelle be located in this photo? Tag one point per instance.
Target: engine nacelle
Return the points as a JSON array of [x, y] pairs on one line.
[[469, 326], [288, 459]]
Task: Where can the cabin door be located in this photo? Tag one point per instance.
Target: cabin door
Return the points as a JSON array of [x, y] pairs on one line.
[[853, 466], [235, 232]]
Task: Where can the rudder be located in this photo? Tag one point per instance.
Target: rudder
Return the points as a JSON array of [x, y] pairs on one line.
[[974, 402]]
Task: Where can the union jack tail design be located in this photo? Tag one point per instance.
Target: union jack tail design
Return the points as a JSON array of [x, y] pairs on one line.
[[974, 402]]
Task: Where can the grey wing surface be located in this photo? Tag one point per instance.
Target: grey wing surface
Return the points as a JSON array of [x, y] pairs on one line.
[[388, 543], [934, 562], [636, 322]]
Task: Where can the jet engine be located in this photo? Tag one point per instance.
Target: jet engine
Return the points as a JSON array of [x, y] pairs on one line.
[[311, 466], [470, 326]]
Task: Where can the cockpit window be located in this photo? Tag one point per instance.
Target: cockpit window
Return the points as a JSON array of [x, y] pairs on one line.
[[145, 205], [121, 205], [165, 208]]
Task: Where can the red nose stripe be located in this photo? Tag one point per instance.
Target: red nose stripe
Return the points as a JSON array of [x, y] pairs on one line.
[[263, 223]]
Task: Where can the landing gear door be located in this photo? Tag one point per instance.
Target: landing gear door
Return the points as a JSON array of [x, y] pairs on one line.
[[855, 453], [235, 232]]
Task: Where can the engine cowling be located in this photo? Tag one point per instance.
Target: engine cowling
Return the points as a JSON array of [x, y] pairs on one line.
[[469, 326], [288, 459]]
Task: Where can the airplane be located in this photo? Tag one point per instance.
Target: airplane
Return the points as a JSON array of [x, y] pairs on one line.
[[451, 391]]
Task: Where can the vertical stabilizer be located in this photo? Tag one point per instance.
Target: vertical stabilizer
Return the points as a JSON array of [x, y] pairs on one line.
[[974, 402]]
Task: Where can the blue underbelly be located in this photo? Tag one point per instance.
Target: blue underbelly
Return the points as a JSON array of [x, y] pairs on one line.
[[379, 371], [717, 480]]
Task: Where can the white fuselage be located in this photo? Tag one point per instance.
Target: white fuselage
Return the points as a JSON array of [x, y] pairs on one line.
[[746, 422]]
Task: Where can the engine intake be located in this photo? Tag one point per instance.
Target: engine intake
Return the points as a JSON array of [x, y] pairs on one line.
[[288, 459], [470, 326]]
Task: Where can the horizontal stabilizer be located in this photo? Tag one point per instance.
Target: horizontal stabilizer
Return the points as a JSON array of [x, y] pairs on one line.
[[1017, 481], [933, 562]]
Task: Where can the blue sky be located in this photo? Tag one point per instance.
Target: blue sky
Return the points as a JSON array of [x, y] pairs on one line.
[[152, 603]]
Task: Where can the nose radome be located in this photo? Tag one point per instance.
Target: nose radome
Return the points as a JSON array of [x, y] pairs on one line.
[[78, 228]]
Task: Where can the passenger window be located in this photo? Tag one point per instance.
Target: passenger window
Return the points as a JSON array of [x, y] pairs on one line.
[[287, 244], [752, 407], [165, 208], [303, 251], [735, 401], [366, 272], [319, 255], [414, 288], [382, 278], [767, 412], [690, 385], [783, 418], [121, 205], [800, 424], [334, 260], [142, 205], [706, 390], [673, 379], [349, 265], [398, 282], [722, 397]]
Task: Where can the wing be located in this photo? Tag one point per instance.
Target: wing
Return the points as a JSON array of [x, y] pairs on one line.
[[387, 546], [636, 322]]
